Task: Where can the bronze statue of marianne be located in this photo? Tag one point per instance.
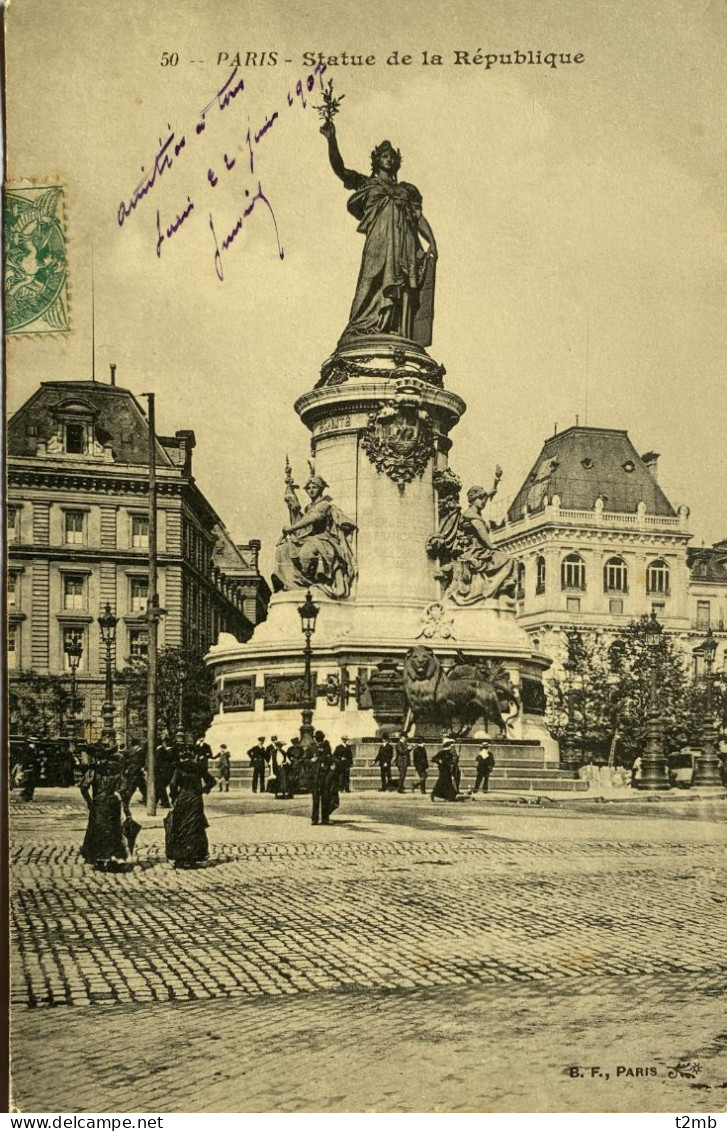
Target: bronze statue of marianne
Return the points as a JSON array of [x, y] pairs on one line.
[[395, 289]]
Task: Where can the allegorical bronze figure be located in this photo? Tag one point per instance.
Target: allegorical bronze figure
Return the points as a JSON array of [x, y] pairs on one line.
[[395, 289]]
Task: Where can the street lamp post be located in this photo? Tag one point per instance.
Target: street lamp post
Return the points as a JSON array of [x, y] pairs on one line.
[[568, 752], [107, 623], [74, 651], [654, 773], [707, 769], [308, 613]]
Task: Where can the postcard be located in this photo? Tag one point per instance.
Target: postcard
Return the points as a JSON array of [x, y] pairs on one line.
[[367, 556]]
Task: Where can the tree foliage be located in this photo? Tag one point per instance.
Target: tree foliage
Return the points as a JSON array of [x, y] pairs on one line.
[[607, 694], [182, 678], [39, 705]]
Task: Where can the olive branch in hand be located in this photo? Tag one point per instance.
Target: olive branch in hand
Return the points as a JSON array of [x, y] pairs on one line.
[[331, 104]]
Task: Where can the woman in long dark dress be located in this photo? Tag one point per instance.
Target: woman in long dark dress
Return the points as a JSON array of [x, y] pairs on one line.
[[102, 787], [187, 843], [445, 786]]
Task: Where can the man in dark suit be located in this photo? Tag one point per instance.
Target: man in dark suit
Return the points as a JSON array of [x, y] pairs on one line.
[[403, 761], [383, 760], [343, 755], [485, 764], [421, 765], [323, 779], [258, 757]]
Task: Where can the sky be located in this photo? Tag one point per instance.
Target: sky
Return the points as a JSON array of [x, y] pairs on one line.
[[579, 211]]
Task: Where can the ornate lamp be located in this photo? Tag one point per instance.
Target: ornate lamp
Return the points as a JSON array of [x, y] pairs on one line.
[[654, 773], [74, 650], [308, 612], [569, 667], [707, 769], [107, 624]]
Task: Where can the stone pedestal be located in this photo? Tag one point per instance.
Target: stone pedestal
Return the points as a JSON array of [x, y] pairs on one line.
[[379, 420]]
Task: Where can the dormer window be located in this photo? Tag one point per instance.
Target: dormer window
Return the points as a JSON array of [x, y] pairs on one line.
[[75, 439], [629, 465], [587, 463]]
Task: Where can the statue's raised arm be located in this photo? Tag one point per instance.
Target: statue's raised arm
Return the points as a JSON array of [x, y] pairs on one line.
[[395, 289], [334, 154]]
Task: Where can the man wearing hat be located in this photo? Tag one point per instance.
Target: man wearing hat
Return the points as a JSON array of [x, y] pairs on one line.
[[258, 757], [343, 755], [403, 761], [383, 760], [485, 764], [323, 779]]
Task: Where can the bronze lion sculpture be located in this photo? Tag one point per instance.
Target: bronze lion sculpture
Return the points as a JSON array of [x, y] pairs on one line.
[[468, 693]]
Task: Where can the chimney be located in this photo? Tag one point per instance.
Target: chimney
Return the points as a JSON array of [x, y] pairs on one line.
[[112, 367], [187, 443], [651, 460]]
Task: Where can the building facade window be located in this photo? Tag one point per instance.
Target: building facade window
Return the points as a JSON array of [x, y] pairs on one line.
[[13, 524], [540, 574], [75, 438], [616, 606], [74, 523], [615, 576], [13, 590], [573, 604], [657, 577], [72, 635], [138, 643], [74, 591], [520, 574], [703, 616], [140, 531], [659, 608], [138, 594], [13, 647], [573, 572]]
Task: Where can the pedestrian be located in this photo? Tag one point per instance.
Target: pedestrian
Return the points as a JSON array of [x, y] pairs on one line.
[[383, 760], [134, 770], [223, 769], [297, 770], [445, 787], [456, 770], [323, 779], [485, 763], [344, 758], [109, 838], [421, 765], [271, 760], [403, 761], [283, 790], [30, 771], [636, 772], [164, 764], [258, 759], [185, 824]]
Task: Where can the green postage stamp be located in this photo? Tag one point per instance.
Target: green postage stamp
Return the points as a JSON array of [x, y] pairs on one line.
[[36, 271]]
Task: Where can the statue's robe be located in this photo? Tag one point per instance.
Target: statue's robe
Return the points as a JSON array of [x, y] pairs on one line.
[[393, 263]]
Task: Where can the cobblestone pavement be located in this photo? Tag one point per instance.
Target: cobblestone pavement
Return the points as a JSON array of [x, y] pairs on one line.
[[410, 957]]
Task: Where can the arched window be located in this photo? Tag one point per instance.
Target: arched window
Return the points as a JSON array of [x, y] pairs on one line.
[[520, 593], [615, 576], [657, 577], [540, 574], [573, 572]]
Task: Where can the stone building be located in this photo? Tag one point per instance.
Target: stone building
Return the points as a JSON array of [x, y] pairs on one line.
[[598, 544], [78, 537]]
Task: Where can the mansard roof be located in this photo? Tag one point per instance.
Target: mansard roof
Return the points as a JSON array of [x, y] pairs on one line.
[[581, 464], [118, 419], [708, 563]]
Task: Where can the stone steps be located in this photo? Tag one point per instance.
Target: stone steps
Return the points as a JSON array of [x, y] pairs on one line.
[[515, 778]]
